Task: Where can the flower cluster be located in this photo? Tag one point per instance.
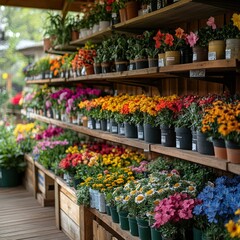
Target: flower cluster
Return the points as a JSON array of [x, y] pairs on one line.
[[50, 132], [233, 226], [169, 41], [83, 58], [219, 201]]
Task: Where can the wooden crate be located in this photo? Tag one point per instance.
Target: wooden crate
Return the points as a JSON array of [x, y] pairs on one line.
[[45, 189], [74, 220], [100, 233]]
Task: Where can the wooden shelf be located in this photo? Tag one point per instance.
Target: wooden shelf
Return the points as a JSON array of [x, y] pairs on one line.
[[40, 81], [234, 168], [57, 80], [46, 171], [115, 226], [173, 15], [28, 158], [94, 38], [95, 133], [190, 156]]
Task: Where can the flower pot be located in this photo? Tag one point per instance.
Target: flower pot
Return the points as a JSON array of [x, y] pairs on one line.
[[93, 200], [183, 138], [108, 210], [123, 219], [133, 226], [154, 5], [130, 130], [152, 62], [200, 54], [103, 25], [101, 202], [115, 18], [132, 65], [140, 131], [233, 152], [104, 125], [10, 177], [232, 50], [114, 214], [98, 125], [203, 145], [144, 229], [168, 136], [131, 9], [219, 148], [113, 127], [83, 33], [194, 140], [121, 129], [161, 60], [95, 28], [106, 67], [97, 68], [89, 70], [74, 35], [152, 134], [172, 57], [123, 14], [91, 123], [186, 55], [121, 66], [197, 234], [155, 234], [46, 44], [216, 49], [141, 63]]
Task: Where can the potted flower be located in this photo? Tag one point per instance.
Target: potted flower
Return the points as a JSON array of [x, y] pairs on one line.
[[231, 32], [73, 22], [119, 52], [11, 159], [171, 43], [152, 50], [167, 109]]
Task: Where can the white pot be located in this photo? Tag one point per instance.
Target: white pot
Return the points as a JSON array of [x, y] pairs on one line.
[[101, 203], [83, 33], [89, 32], [95, 28], [103, 25]]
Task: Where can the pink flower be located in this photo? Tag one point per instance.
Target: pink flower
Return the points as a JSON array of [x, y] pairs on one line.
[[211, 23], [48, 104], [192, 39]]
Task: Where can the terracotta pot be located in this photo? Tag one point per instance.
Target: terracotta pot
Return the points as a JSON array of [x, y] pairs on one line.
[[123, 15], [219, 148], [89, 70], [172, 57], [74, 35], [216, 49], [233, 152], [131, 9], [46, 44]]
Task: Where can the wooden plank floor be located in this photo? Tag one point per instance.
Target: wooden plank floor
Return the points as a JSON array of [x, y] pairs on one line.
[[21, 217]]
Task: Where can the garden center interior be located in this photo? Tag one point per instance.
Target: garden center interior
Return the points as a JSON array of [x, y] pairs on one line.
[[127, 124]]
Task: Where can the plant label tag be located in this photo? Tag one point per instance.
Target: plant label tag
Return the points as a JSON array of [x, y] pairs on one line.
[[197, 73], [140, 135], [108, 126], [90, 124], [177, 143], [212, 56], [194, 57], [130, 67], [163, 139], [0, 174], [161, 62], [98, 125], [194, 147], [228, 54], [122, 132], [114, 129], [75, 121]]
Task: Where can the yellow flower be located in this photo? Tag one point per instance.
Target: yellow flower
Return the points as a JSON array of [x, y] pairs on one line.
[[139, 198], [237, 212], [150, 192], [236, 20]]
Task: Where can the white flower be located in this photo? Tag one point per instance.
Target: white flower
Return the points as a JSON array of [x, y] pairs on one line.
[[139, 198]]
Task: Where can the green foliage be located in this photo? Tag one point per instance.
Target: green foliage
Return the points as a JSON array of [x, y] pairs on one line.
[[83, 196], [11, 155]]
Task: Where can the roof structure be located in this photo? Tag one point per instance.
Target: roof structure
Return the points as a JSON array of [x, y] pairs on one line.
[[62, 5]]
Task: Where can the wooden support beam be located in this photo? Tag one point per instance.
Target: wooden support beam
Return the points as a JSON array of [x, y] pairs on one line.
[[66, 7]]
